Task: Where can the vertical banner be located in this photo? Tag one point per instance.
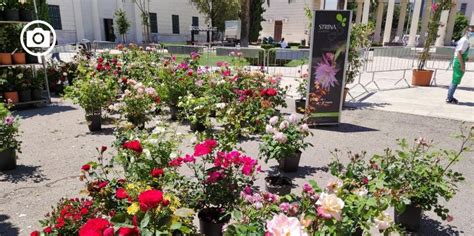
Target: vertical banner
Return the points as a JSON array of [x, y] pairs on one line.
[[328, 62]]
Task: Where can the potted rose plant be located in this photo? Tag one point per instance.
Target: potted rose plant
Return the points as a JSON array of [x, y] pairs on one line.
[[197, 111], [94, 89], [300, 104], [421, 76], [219, 177], [419, 178], [9, 82], [9, 144], [284, 141]]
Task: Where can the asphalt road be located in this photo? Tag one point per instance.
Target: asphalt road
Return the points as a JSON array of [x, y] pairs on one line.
[[56, 143]]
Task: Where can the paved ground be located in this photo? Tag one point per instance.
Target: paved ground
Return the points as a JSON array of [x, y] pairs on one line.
[[56, 143]]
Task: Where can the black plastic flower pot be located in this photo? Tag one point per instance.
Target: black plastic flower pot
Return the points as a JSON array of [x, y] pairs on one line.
[[358, 232], [137, 122], [211, 221], [30, 59], [36, 94], [26, 15], [94, 122], [198, 126], [7, 159], [410, 219], [290, 163], [12, 15], [300, 106], [174, 113], [25, 95], [2, 15], [279, 185]]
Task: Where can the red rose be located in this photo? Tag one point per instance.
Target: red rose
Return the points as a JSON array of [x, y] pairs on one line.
[[128, 231], [84, 211], [102, 184], [48, 230], [95, 227], [263, 92], [176, 162], [134, 145], [150, 199], [86, 167], [205, 148], [271, 92], [35, 233], [103, 149], [156, 172], [121, 193]]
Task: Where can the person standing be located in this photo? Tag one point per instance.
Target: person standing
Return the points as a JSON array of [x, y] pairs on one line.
[[283, 43], [461, 55]]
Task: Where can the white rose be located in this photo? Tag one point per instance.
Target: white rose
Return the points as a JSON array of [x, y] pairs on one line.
[[273, 120], [360, 191], [331, 205], [293, 119], [220, 105], [280, 137], [304, 128], [282, 225], [269, 129], [383, 222], [284, 124]]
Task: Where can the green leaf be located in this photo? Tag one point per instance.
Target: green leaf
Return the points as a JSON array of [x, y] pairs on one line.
[[339, 17], [145, 221], [176, 225]]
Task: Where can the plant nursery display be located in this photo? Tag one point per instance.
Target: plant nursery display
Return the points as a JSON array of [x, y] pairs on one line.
[[9, 143]]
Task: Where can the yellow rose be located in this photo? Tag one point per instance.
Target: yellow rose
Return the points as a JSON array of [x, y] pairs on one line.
[[133, 209]]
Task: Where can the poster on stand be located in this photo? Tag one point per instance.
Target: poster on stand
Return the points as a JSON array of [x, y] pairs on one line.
[[328, 62]]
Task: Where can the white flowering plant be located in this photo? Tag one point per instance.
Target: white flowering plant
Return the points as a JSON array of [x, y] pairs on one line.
[[284, 137], [197, 109]]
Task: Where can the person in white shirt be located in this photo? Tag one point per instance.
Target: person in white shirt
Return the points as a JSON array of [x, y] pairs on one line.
[[283, 43], [461, 55]]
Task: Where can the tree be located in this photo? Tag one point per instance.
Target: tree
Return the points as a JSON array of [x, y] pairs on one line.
[[460, 24], [256, 18], [245, 22], [218, 11], [144, 6], [122, 23]]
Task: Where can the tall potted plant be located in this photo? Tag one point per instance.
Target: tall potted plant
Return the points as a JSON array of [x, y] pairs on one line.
[[421, 76], [8, 80], [9, 144], [5, 56], [11, 10]]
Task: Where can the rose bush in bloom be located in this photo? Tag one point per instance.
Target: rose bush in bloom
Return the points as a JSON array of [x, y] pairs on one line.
[[96, 227], [283, 137], [8, 130], [283, 225], [150, 199]]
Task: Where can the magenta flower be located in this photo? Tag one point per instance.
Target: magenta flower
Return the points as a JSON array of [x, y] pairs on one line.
[[434, 6], [9, 120], [326, 72]]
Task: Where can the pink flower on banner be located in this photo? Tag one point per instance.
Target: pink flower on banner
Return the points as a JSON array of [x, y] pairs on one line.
[[326, 72]]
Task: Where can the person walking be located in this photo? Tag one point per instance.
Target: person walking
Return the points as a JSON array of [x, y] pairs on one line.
[[283, 43], [461, 55]]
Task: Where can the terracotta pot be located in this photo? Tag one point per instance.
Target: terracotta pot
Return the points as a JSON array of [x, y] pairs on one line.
[[410, 219], [211, 221], [5, 58], [19, 58], [290, 163], [422, 77], [279, 185], [344, 95], [7, 159], [13, 96]]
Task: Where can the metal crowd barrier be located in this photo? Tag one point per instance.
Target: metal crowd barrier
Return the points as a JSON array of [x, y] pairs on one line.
[[184, 49], [287, 62], [99, 46], [254, 57]]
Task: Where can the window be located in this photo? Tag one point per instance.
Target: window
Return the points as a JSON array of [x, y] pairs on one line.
[[463, 8], [291, 1], [196, 23], [153, 23], [175, 22], [55, 17]]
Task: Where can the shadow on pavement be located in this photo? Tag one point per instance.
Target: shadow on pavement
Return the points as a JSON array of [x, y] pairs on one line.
[[434, 228], [104, 131], [346, 128], [50, 109], [302, 173], [469, 104], [6, 228], [364, 105], [23, 173]]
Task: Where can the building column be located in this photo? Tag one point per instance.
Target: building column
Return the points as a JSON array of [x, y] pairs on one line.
[[359, 11], [138, 24], [96, 20], [442, 28], [378, 21], [365, 16], [79, 23], [414, 23], [389, 22], [316, 5], [451, 21], [401, 18], [425, 21]]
